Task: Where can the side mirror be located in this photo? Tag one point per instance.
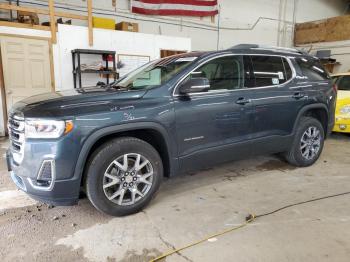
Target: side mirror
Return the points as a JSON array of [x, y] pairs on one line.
[[195, 85]]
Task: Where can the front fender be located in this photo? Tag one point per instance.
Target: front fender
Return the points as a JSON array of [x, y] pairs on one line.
[[97, 135]]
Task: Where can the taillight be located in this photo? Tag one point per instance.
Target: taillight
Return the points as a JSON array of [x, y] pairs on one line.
[[335, 88]]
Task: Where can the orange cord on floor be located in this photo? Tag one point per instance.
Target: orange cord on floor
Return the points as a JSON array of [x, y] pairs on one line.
[[250, 218]]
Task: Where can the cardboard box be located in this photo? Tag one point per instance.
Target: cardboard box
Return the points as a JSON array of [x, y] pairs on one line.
[[127, 26], [105, 23]]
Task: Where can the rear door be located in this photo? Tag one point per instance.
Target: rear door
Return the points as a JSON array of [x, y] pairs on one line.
[[276, 100]]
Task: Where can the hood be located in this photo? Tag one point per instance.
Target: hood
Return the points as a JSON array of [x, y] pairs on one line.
[[74, 102]]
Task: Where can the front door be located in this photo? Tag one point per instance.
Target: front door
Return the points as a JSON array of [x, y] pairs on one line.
[[210, 124], [26, 68]]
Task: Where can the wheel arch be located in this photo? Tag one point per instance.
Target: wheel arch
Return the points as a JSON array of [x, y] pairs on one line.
[[152, 133], [318, 111]]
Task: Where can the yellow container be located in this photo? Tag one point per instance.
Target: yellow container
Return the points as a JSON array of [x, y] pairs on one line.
[[106, 23]]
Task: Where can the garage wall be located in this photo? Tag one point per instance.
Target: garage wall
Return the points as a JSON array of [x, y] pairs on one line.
[[72, 37], [339, 51], [241, 21]]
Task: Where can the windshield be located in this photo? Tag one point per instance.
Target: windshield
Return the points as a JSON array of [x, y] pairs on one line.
[[155, 73], [343, 82]]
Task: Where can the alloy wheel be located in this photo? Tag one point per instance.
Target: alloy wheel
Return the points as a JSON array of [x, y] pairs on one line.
[[128, 179], [310, 143]]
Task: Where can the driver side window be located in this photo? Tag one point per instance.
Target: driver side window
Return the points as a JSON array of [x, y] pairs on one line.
[[223, 73]]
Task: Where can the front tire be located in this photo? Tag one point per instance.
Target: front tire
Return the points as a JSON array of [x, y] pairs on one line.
[[123, 175], [308, 143]]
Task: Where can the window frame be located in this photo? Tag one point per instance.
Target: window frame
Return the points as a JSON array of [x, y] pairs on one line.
[[237, 59], [175, 92]]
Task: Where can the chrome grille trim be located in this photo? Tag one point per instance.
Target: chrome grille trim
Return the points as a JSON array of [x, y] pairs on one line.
[[17, 139]]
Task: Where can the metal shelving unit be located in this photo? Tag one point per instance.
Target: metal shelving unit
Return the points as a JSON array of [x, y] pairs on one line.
[[77, 71]]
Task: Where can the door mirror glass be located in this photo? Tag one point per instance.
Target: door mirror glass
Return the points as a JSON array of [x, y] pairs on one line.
[[194, 85]]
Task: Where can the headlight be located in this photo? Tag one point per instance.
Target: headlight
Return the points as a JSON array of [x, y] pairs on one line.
[[47, 128], [345, 109]]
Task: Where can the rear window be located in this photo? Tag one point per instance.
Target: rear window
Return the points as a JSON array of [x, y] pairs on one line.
[[270, 70], [312, 69]]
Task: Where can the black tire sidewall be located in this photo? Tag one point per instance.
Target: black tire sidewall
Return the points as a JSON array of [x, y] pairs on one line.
[[100, 161], [307, 122]]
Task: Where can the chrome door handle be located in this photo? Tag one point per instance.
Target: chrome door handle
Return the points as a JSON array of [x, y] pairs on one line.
[[243, 101], [298, 95]]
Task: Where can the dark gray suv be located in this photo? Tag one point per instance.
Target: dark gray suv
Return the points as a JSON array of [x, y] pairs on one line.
[[176, 114]]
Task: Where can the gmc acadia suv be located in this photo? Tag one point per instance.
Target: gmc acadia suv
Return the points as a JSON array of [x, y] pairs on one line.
[[176, 114]]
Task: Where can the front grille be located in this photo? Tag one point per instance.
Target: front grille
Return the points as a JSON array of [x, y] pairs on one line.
[[16, 134]]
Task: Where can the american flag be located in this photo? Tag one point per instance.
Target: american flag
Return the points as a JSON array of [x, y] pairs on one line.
[[175, 7]]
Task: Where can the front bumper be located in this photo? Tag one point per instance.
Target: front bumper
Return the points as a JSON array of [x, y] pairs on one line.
[[63, 191], [342, 124]]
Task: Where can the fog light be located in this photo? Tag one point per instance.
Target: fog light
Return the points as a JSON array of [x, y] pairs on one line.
[[46, 176], [342, 127]]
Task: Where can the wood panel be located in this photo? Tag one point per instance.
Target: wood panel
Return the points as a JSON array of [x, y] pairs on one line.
[[328, 30], [338, 28], [311, 32], [91, 36]]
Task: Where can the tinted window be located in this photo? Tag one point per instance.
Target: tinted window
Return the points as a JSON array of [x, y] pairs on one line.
[[287, 69], [155, 73], [343, 83], [312, 69], [270, 70], [222, 73]]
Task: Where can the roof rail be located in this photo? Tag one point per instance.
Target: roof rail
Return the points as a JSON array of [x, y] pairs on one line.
[[244, 46], [266, 47]]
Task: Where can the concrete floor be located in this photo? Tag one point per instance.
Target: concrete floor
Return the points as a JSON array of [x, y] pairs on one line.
[[192, 206]]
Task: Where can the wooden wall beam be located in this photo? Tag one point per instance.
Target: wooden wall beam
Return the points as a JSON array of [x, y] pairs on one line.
[[91, 36], [24, 9], [42, 11], [21, 25], [71, 16], [52, 21]]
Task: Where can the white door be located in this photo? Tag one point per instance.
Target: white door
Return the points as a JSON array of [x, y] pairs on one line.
[[26, 68]]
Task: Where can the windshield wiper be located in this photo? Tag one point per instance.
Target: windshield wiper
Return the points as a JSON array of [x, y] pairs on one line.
[[112, 85], [158, 66]]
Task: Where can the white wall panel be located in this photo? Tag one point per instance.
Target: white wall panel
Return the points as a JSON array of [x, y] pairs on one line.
[[72, 37]]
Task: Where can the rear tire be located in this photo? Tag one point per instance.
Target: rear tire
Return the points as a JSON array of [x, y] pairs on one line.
[[308, 143], [123, 175]]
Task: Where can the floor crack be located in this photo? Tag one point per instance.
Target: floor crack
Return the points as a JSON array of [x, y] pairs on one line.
[[168, 244]]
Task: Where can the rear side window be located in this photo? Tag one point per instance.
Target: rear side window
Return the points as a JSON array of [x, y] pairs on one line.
[[270, 70], [312, 69]]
